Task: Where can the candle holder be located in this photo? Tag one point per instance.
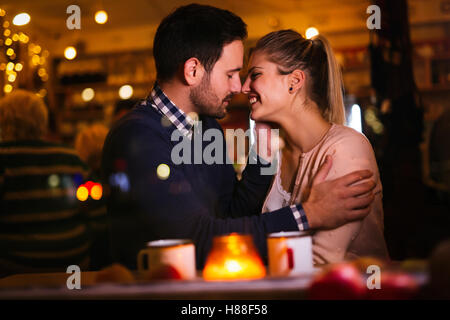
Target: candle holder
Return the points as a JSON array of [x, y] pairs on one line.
[[233, 257]]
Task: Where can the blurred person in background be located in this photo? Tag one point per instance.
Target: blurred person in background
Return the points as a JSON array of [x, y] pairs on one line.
[[42, 228], [89, 145]]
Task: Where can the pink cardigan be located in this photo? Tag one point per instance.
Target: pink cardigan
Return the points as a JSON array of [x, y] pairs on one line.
[[350, 151]]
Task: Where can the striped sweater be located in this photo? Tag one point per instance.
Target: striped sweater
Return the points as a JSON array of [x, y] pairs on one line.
[[41, 225]]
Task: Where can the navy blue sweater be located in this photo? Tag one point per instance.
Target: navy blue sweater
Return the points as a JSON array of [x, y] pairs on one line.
[[196, 201]]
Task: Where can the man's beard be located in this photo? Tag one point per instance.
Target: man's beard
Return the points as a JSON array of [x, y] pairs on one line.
[[206, 101]]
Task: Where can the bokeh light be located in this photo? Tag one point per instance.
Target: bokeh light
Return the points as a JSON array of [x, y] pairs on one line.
[[126, 91], [70, 53], [311, 32], [101, 17], [163, 171], [82, 193]]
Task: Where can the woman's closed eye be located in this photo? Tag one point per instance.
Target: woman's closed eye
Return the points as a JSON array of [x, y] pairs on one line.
[[254, 75]]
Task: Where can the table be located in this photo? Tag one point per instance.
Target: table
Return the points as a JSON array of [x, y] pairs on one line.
[[53, 286]]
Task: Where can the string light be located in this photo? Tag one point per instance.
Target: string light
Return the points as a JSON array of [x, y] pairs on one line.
[[126, 91], [35, 60], [87, 94], [70, 53], [101, 17], [21, 19], [7, 88], [10, 68]]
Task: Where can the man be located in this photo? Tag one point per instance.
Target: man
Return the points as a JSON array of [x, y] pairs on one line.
[[198, 53]]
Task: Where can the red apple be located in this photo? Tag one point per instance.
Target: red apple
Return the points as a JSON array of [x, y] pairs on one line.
[[394, 286], [164, 272], [114, 273], [338, 282]]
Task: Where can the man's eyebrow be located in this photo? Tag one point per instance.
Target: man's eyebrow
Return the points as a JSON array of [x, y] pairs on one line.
[[235, 70]]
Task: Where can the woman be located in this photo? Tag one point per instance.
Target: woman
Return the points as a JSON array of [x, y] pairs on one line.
[[296, 84]]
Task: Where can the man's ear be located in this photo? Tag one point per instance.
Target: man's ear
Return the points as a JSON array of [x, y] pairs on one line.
[[296, 80], [193, 71]]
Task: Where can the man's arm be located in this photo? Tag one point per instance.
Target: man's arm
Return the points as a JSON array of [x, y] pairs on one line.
[[334, 203], [152, 207]]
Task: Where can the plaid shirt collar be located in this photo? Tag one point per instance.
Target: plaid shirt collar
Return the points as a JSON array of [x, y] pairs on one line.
[[159, 101]]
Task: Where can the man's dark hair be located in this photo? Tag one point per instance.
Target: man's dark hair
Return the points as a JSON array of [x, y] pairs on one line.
[[194, 30]]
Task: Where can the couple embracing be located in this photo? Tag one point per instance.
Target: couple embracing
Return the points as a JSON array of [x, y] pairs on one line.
[[326, 180]]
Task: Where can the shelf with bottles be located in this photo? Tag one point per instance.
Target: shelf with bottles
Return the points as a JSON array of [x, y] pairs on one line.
[[104, 74]]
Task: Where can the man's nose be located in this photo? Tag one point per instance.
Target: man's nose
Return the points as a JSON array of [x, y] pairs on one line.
[[246, 86], [236, 86]]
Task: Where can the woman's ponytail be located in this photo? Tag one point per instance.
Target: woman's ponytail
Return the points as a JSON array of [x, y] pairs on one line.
[[336, 112]]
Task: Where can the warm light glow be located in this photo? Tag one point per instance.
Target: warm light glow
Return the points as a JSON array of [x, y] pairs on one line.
[[42, 72], [70, 53], [96, 191], [2, 13], [42, 93], [5, 24], [233, 266], [355, 118], [8, 41], [7, 88], [163, 171], [19, 67], [15, 37], [311, 32], [35, 60], [87, 94], [9, 52], [37, 49], [24, 38], [233, 257], [82, 193], [12, 78], [101, 17], [126, 91], [7, 32], [10, 66], [21, 19]]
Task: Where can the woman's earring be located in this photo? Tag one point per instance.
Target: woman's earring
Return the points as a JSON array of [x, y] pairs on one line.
[[290, 89]]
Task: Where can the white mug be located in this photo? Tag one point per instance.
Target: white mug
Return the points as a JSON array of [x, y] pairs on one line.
[[290, 253], [178, 253]]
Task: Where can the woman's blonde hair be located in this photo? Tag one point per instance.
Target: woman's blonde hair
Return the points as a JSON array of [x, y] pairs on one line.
[[23, 116], [291, 51], [89, 144]]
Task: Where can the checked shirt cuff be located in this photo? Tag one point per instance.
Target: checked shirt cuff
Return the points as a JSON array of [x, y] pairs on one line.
[[300, 217]]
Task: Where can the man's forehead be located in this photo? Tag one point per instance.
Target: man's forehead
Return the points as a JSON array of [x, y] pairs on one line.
[[232, 56]]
